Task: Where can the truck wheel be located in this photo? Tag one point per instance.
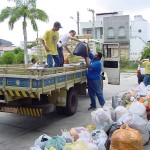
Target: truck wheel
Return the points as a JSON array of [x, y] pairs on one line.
[[72, 102]]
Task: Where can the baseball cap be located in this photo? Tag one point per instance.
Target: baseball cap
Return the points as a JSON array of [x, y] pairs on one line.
[[57, 24]]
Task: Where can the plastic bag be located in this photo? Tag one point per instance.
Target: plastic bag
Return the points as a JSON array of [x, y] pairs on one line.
[[138, 123], [91, 127], [126, 138], [35, 148], [75, 146], [78, 132], [120, 111], [113, 128], [90, 143], [81, 49], [101, 119], [111, 111], [67, 136], [101, 139], [41, 141], [138, 108], [57, 142]]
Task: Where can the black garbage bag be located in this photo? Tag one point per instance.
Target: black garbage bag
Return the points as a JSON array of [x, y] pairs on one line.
[[113, 128], [81, 49]]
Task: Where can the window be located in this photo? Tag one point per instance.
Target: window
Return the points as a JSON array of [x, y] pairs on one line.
[[111, 32], [88, 31], [121, 33]]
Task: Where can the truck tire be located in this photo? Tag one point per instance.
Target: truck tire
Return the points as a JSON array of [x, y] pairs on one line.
[[72, 102]]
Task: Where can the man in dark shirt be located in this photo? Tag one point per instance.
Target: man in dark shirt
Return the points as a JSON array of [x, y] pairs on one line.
[[93, 79]]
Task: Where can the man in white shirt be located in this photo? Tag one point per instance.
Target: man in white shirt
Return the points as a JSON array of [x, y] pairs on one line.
[[63, 42]]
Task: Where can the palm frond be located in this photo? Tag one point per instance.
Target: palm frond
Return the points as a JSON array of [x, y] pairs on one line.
[[39, 14], [34, 24], [5, 13]]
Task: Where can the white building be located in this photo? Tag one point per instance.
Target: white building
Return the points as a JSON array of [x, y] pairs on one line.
[[139, 36]]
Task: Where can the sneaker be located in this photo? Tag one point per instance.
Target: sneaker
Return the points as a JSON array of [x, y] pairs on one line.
[[92, 108]]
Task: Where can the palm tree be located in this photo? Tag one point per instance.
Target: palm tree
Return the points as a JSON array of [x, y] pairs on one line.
[[27, 10]]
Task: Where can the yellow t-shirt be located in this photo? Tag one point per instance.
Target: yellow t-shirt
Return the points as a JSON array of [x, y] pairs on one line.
[[146, 64], [51, 38]]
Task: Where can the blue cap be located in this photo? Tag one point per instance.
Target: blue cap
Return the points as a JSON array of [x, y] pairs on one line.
[[57, 24]]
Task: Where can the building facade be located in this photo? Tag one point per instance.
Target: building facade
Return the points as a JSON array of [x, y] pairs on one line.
[[110, 28], [139, 36]]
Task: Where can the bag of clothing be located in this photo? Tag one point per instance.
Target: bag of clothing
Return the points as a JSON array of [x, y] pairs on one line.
[[81, 49]]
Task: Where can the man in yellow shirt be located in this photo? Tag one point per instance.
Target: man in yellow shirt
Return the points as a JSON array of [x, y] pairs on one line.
[[146, 64], [49, 41]]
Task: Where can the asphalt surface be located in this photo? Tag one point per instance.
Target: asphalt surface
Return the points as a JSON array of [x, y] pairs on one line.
[[19, 132]]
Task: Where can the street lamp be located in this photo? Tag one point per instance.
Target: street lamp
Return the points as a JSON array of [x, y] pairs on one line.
[[77, 21], [93, 20]]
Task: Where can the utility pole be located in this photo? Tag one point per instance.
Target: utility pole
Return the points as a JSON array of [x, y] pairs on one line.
[[78, 22], [93, 20]]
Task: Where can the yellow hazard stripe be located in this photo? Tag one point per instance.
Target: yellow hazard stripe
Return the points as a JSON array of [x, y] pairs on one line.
[[27, 111], [19, 93]]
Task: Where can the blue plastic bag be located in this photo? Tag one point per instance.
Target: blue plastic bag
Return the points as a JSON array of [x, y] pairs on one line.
[[57, 142]]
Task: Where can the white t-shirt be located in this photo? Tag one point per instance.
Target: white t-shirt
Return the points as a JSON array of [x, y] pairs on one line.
[[64, 39]]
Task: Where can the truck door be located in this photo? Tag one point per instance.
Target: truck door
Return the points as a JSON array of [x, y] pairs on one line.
[[111, 62]]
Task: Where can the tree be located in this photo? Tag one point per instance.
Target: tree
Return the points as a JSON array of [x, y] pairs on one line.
[[146, 51], [17, 50], [25, 9]]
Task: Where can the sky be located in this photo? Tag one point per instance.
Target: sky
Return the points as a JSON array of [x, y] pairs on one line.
[[62, 10]]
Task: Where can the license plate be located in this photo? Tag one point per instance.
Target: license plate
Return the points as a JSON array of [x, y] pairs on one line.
[[9, 110]]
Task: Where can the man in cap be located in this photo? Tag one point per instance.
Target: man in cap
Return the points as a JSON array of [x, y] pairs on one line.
[[49, 41], [146, 64]]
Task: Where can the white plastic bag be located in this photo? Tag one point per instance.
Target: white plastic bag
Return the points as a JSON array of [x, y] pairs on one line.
[[120, 111], [138, 108], [41, 141], [101, 119], [67, 136], [35, 148]]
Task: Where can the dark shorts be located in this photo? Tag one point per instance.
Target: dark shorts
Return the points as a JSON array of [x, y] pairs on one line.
[[61, 56]]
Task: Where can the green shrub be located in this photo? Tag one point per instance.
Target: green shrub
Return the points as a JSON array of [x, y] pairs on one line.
[[8, 58], [19, 58]]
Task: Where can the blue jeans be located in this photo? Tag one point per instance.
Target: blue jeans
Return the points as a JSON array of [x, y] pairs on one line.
[[50, 60], [147, 79], [61, 56], [94, 89]]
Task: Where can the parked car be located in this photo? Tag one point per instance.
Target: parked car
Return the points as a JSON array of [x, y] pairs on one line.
[[141, 72]]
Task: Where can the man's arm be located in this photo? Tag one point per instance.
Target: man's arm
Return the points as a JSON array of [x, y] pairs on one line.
[[87, 62], [66, 47], [46, 48], [75, 39]]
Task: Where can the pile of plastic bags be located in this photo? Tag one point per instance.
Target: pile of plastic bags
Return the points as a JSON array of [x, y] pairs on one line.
[[108, 126]]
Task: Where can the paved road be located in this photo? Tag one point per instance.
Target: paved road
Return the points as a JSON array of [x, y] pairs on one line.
[[19, 132]]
